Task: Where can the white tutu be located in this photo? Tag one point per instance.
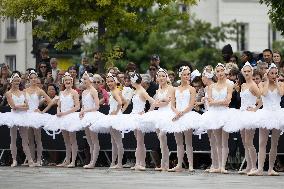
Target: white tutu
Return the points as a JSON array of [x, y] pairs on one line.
[[148, 121], [36, 119], [239, 120], [188, 121], [124, 122], [16, 118], [269, 119], [91, 118], [70, 122], [216, 118], [102, 125]]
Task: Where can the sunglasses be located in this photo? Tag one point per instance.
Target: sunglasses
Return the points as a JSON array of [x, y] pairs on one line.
[[152, 69], [97, 82], [43, 67]]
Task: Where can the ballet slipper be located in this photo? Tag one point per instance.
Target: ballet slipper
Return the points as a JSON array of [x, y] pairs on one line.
[[190, 169], [134, 167], [215, 170], [140, 168], [256, 173], [176, 169], [89, 166], [224, 171], [71, 165], [14, 164], [273, 173], [116, 167], [63, 164], [38, 165], [158, 169], [25, 163]]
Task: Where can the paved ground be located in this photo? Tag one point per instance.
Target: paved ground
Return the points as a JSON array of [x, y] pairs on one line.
[[53, 178]]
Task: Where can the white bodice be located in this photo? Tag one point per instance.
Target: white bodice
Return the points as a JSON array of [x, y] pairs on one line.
[[88, 101], [138, 104], [18, 100], [112, 103], [247, 99], [218, 95], [33, 101], [182, 99], [127, 93], [272, 100], [67, 102], [162, 96]]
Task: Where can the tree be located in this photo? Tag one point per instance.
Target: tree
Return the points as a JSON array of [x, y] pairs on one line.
[[74, 18], [276, 13], [176, 37]]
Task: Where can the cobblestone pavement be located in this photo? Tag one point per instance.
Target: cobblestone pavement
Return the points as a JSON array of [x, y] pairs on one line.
[[63, 178]]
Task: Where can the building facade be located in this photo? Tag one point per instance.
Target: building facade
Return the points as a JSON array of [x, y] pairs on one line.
[[16, 44], [254, 31]]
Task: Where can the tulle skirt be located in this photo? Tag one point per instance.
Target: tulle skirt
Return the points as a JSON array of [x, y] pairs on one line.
[[70, 122], [269, 119], [91, 118], [148, 121], [188, 121], [15, 118], [217, 117], [239, 120], [36, 119]]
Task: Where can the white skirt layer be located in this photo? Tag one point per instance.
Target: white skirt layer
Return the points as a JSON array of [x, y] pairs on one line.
[[91, 118], [70, 122], [36, 119], [241, 119], [104, 124], [269, 119], [124, 122], [148, 121], [216, 118], [12, 119], [188, 121]]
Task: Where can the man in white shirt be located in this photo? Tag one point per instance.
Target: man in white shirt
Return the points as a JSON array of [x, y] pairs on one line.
[[54, 69]]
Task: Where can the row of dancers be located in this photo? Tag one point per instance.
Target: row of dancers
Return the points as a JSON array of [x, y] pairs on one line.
[[171, 112]]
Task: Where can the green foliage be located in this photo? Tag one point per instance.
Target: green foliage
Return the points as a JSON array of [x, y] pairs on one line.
[[67, 20], [279, 46], [276, 13], [175, 37]]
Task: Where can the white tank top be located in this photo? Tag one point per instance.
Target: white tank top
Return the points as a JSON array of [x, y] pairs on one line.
[[182, 99], [33, 101], [138, 104], [247, 99], [67, 102]]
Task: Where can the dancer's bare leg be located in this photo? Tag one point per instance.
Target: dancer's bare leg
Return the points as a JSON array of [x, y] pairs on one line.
[[13, 145], [32, 142], [67, 143], [39, 148], [74, 147], [114, 150], [141, 151], [25, 144], [118, 142], [249, 135], [273, 152], [180, 152], [89, 141], [95, 152], [189, 149], [164, 150], [214, 159], [247, 156], [218, 138], [263, 138], [225, 150]]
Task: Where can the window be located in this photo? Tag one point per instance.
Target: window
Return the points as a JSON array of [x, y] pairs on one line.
[[242, 36], [11, 28], [11, 61], [183, 8]]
